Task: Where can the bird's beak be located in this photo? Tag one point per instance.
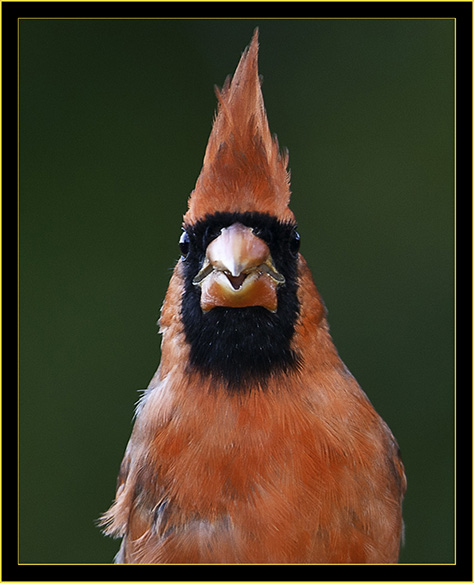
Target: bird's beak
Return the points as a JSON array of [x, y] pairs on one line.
[[238, 271]]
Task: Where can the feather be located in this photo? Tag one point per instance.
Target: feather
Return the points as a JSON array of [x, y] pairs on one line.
[[253, 442], [243, 168]]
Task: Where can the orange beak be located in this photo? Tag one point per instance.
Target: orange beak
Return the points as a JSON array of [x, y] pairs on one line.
[[238, 272]]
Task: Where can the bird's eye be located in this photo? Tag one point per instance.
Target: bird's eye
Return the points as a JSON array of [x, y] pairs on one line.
[[295, 243], [184, 244]]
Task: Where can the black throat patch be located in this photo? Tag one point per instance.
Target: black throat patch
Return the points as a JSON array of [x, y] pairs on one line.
[[242, 347]]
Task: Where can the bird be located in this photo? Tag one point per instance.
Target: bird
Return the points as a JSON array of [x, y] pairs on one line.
[[253, 443]]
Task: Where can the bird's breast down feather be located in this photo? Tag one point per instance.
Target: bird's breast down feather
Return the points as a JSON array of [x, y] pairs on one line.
[[205, 492]]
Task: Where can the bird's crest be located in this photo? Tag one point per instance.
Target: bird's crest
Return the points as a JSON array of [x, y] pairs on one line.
[[243, 167]]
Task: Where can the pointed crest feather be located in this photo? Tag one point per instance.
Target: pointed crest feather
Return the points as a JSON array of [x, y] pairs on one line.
[[243, 168]]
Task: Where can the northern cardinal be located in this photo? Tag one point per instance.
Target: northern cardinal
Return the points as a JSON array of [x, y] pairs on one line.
[[253, 442]]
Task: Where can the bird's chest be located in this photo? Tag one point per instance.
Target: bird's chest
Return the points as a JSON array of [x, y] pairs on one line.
[[229, 478], [242, 459], [216, 462]]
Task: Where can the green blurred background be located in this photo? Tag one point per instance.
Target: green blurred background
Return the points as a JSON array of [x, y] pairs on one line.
[[114, 119]]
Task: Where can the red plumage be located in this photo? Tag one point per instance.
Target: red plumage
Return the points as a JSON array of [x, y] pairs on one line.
[[243, 167], [289, 463]]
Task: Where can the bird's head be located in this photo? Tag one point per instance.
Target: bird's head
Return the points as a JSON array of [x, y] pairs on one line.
[[240, 267]]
